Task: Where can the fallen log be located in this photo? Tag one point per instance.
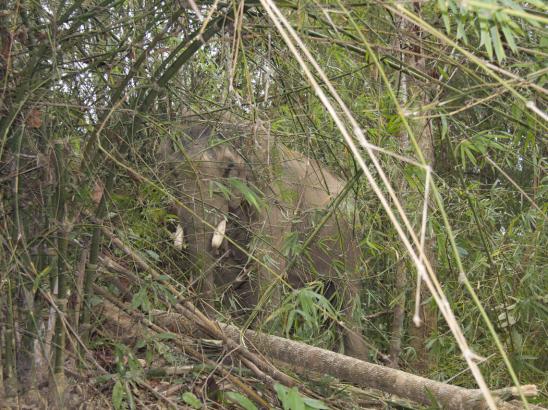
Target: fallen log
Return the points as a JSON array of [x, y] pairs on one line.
[[302, 356]]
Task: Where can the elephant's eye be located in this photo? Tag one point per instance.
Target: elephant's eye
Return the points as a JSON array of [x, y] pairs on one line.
[[229, 168]]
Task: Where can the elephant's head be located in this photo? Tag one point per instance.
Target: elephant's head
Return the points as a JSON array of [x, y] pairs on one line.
[[205, 173]]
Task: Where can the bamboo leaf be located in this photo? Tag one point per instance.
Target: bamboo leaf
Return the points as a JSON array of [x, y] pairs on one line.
[[486, 38], [499, 49], [190, 399], [509, 36], [118, 392], [315, 404], [240, 399], [249, 194]]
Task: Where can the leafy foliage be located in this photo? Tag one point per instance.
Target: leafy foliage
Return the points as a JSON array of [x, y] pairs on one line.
[[90, 89], [292, 400]]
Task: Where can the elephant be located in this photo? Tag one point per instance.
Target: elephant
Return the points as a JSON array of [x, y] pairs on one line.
[[241, 197]]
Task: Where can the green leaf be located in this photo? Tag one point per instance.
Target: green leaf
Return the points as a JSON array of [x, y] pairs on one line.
[[240, 399], [462, 157], [166, 336], [447, 22], [38, 278], [249, 194], [291, 398], [140, 300], [217, 187], [509, 36], [140, 344], [137, 299], [444, 126], [462, 251], [291, 244], [281, 391], [486, 38], [315, 404], [443, 8], [467, 149], [290, 322], [103, 378], [294, 400], [461, 31], [190, 399], [478, 145], [130, 400], [153, 255], [118, 395], [499, 50]]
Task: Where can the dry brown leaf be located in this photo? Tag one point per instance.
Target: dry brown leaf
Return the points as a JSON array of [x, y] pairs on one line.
[[97, 192], [34, 119]]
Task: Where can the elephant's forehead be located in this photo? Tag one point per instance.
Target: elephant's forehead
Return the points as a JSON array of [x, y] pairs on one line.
[[228, 154], [218, 153], [204, 159]]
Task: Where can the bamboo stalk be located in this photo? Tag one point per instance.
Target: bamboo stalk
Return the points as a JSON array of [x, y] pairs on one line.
[[91, 268], [25, 299], [62, 262], [165, 73], [12, 352], [2, 335], [10, 384]]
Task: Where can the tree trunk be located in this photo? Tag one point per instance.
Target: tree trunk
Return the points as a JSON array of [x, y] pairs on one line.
[[302, 356], [427, 324]]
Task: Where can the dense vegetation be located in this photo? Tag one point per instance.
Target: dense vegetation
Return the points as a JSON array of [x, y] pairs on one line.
[[450, 97]]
